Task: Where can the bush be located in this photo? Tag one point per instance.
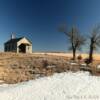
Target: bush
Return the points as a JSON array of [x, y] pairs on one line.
[[87, 61], [44, 63], [79, 57]]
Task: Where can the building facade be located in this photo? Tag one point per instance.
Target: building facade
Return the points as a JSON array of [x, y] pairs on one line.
[[18, 45]]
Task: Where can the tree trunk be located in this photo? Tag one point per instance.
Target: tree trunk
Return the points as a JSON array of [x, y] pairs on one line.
[[91, 51], [74, 53]]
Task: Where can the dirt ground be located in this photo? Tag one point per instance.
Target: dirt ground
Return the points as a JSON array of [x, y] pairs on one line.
[[16, 68]]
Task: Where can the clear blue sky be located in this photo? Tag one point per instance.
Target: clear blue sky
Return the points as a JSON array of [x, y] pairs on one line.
[[39, 20]]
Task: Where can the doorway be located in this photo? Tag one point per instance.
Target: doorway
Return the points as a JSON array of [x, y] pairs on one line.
[[22, 48]]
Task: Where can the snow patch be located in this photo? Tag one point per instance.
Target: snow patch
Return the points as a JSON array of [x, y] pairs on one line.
[[64, 86]]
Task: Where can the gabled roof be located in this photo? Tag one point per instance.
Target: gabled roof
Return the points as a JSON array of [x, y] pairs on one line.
[[15, 40]]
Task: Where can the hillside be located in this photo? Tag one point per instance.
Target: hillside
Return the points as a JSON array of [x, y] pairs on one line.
[[16, 68]]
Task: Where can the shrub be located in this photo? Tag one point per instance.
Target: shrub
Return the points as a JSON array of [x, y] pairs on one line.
[[44, 63], [87, 61], [79, 57]]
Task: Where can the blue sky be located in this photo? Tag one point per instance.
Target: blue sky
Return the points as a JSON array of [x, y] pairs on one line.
[[39, 20]]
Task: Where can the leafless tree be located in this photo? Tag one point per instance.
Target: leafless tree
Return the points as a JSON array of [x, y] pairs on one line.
[[74, 37], [94, 41]]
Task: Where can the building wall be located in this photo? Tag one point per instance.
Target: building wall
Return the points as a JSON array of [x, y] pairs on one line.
[[28, 47], [12, 47]]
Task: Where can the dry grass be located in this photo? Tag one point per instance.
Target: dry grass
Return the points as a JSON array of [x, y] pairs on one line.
[[16, 68], [22, 67]]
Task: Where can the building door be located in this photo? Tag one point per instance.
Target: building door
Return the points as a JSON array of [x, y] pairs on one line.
[[22, 48]]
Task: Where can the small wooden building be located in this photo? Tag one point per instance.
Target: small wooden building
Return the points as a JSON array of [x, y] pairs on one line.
[[18, 45]]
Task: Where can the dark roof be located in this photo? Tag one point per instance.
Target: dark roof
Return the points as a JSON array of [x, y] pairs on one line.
[[28, 40], [15, 40]]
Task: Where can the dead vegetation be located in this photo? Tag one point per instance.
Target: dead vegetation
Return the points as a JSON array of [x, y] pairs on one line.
[[22, 67], [16, 68]]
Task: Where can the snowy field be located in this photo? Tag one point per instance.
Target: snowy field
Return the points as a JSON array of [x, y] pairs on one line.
[[64, 86]]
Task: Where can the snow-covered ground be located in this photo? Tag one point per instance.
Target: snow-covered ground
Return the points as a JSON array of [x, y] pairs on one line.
[[64, 86]]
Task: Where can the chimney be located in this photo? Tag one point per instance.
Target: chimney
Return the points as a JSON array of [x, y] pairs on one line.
[[13, 36]]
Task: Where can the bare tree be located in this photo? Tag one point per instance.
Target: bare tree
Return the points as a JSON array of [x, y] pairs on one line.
[[94, 41], [74, 37]]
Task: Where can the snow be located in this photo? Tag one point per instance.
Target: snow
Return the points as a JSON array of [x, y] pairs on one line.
[[98, 66], [83, 64], [64, 86], [73, 64], [51, 66]]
